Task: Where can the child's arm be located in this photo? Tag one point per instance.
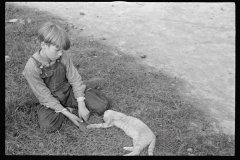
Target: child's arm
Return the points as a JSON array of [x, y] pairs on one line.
[[73, 77], [39, 88]]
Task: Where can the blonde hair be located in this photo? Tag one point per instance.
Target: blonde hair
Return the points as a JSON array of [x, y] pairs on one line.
[[53, 34]]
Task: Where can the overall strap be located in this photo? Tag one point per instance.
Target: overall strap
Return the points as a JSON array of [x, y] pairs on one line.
[[60, 60], [38, 63]]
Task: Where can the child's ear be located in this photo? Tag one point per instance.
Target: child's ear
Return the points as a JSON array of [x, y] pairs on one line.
[[43, 45]]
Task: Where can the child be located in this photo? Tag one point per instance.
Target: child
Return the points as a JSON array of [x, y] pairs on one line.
[[55, 81]]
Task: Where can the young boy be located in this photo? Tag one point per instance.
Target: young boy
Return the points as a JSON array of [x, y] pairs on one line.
[[55, 81]]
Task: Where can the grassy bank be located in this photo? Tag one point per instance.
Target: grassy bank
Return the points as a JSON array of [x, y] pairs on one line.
[[133, 89]]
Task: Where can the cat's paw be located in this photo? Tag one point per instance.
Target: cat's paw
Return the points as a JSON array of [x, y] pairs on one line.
[[91, 126], [133, 153], [128, 148]]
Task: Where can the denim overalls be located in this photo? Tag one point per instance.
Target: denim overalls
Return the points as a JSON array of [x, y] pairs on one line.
[[55, 79]]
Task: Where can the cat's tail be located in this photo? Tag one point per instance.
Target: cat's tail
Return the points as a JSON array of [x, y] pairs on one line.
[[152, 146]]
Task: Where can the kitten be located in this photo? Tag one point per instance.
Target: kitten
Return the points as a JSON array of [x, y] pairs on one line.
[[133, 127]]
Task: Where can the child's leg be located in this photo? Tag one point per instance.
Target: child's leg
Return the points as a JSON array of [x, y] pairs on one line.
[[67, 93], [70, 100], [93, 82], [66, 97], [49, 120]]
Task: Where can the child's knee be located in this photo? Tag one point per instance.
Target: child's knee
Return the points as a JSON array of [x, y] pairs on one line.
[[49, 120], [93, 82]]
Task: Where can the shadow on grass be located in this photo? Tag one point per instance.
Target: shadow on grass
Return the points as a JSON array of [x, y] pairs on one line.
[[133, 89]]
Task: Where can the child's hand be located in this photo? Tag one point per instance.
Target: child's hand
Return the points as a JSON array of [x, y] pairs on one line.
[[83, 112], [74, 119]]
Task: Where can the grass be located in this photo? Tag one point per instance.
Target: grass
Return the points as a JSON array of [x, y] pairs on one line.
[[133, 89]]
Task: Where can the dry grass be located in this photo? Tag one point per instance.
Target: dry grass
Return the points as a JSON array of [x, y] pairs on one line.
[[133, 89]]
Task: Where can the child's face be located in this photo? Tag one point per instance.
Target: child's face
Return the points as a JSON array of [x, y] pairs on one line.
[[52, 52]]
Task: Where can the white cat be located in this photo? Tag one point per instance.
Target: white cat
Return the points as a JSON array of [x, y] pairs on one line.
[[133, 127]]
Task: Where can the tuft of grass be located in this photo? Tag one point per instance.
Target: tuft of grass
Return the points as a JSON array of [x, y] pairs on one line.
[[133, 89]]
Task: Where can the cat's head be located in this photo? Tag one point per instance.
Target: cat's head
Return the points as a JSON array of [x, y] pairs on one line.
[[112, 115], [107, 115]]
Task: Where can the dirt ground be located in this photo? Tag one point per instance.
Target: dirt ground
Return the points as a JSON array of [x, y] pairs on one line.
[[192, 41]]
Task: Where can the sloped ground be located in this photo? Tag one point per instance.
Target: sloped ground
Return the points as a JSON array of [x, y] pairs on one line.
[[134, 89]]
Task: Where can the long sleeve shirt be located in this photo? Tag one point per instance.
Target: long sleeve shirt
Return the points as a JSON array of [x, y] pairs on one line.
[[32, 73]]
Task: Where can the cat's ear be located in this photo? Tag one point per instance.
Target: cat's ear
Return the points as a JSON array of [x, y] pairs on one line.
[[109, 122], [107, 117]]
